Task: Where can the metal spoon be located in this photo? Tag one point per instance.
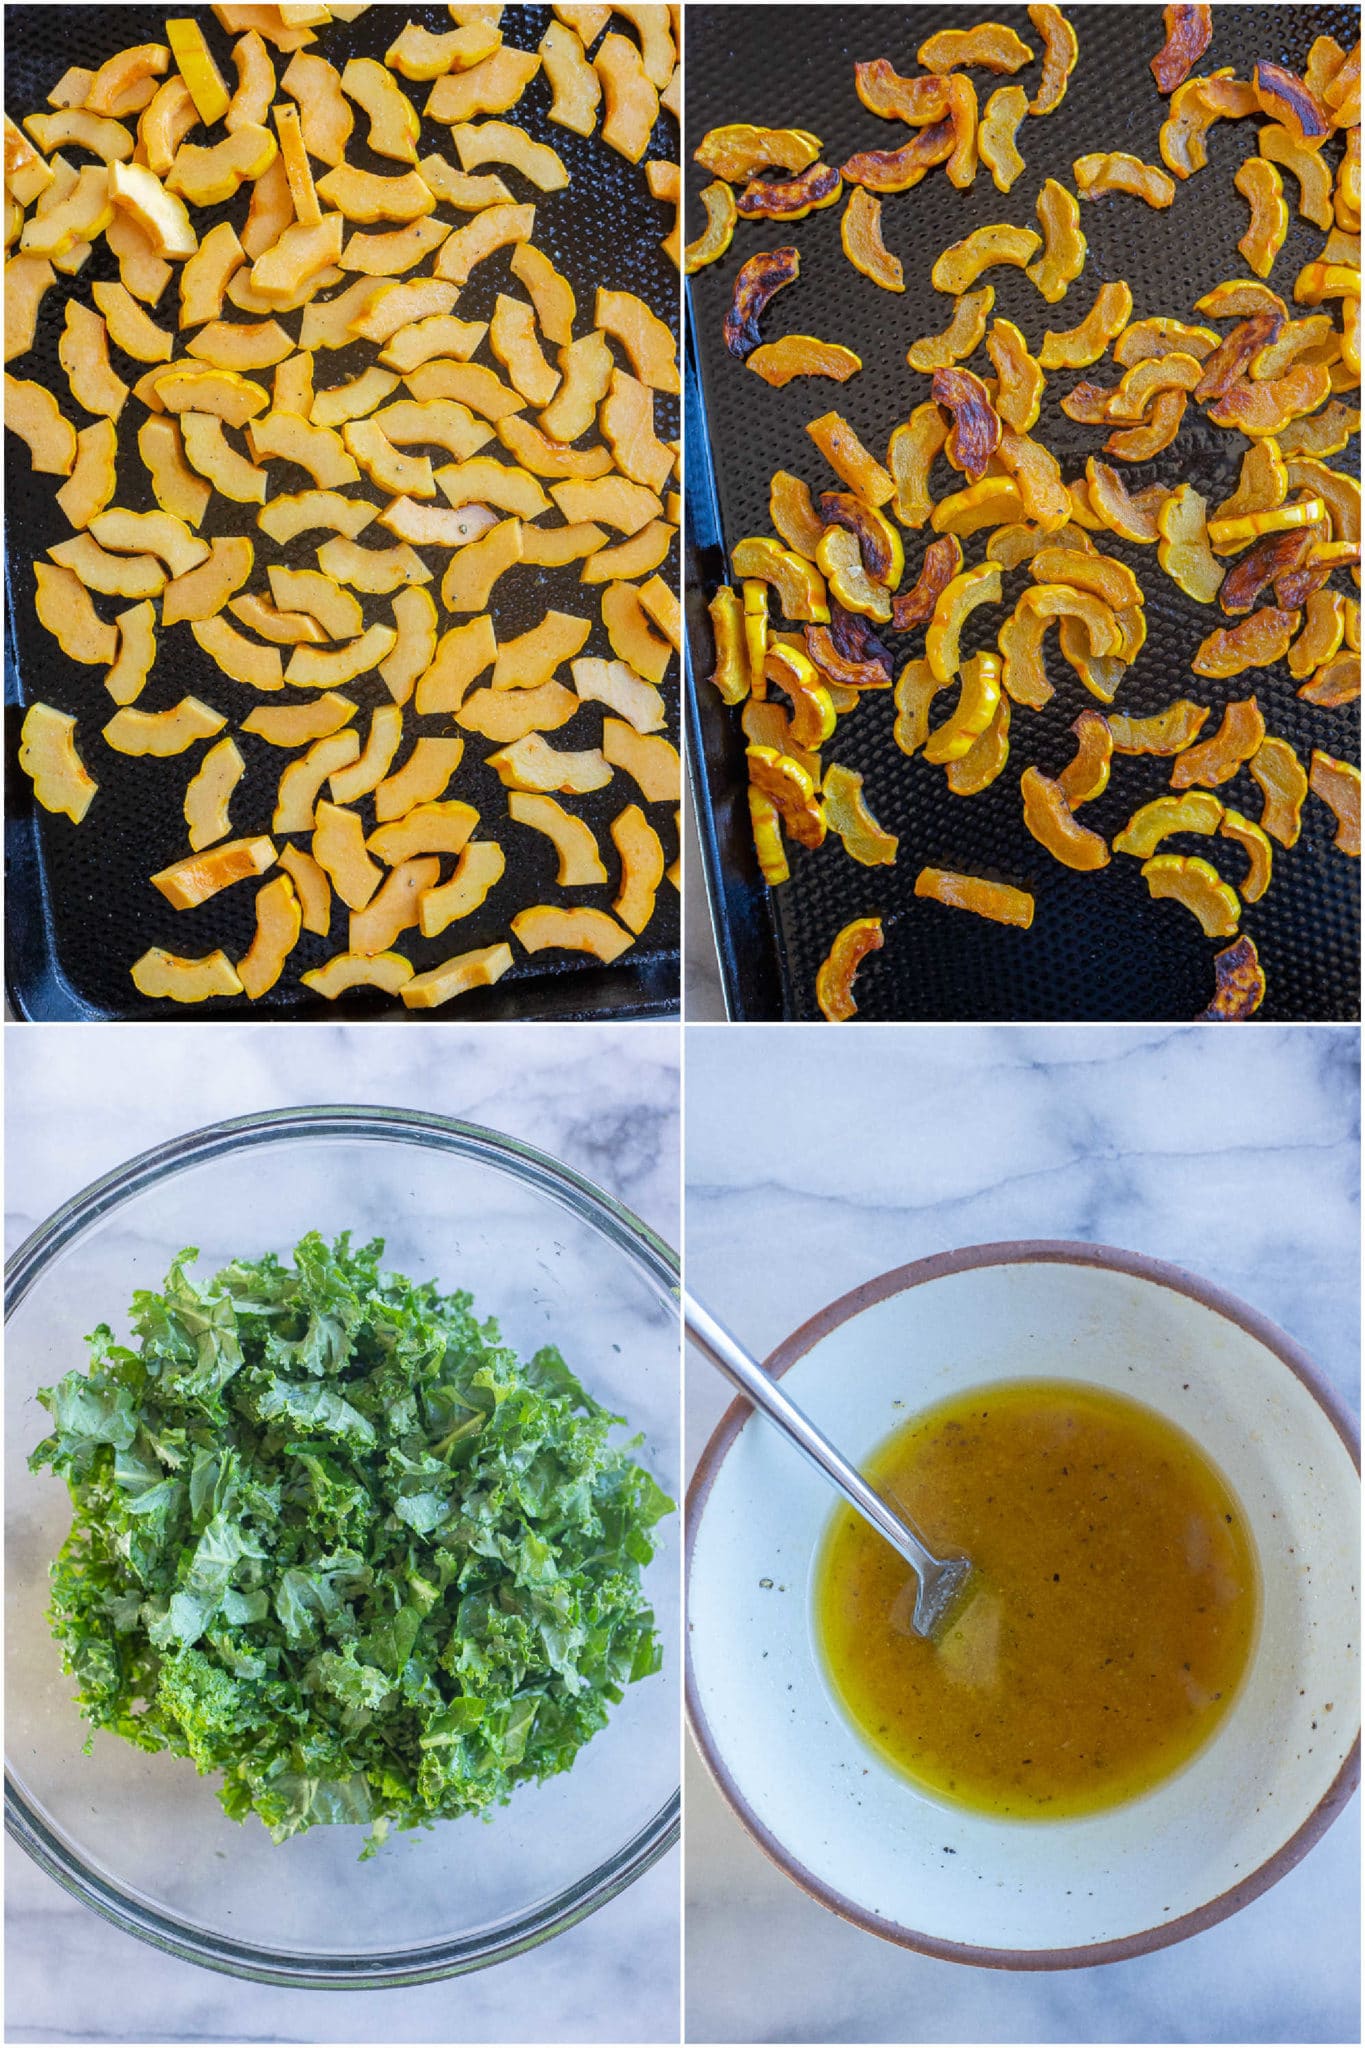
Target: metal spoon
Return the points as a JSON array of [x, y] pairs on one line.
[[938, 1580]]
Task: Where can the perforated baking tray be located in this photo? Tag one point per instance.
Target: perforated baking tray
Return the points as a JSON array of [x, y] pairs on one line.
[[1098, 948], [80, 908]]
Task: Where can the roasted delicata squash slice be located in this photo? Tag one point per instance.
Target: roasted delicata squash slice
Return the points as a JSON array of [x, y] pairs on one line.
[[207, 177], [1240, 983], [162, 732], [584, 540], [298, 725], [200, 876], [63, 606], [529, 660], [493, 229], [958, 268], [1256, 846], [285, 517], [204, 278], [339, 850], [973, 587], [847, 813], [468, 582], [615, 684], [48, 756], [283, 436], [580, 861], [1186, 879], [1064, 246], [395, 906], [479, 868], [422, 779], [514, 341], [642, 867], [209, 452], [479, 968], [302, 780], [91, 480], [246, 661], [127, 678], [233, 345], [83, 353], [208, 795], [503, 142], [629, 633], [353, 401], [434, 336], [308, 590], [1198, 810], [650, 760], [34, 415], [263, 616], [532, 764], [69, 216], [1048, 817], [581, 930], [797, 584], [170, 977], [549, 292], [585, 373], [462, 654], [419, 55], [425, 828], [205, 589], [574, 83], [834, 980], [1337, 784], [279, 920], [159, 213], [250, 103], [414, 647], [1256, 642], [328, 668], [26, 174], [490, 87]]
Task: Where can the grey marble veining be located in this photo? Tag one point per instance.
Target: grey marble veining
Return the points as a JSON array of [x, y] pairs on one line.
[[816, 1159], [81, 1101]]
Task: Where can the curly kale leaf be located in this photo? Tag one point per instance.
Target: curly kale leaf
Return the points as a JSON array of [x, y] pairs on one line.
[[335, 1542]]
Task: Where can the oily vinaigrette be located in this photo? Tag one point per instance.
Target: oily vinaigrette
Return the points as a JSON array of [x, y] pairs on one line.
[[1111, 1616]]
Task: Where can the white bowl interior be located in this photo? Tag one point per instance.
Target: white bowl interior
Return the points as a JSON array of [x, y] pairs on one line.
[[149, 1824], [843, 1815]]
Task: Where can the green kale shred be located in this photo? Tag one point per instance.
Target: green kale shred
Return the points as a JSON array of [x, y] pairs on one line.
[[333, 1540]]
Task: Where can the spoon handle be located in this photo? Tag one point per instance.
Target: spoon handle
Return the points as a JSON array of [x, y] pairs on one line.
[[744, 1372]]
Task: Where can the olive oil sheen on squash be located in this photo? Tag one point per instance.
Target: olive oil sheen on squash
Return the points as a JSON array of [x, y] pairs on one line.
[[1113, 1617]]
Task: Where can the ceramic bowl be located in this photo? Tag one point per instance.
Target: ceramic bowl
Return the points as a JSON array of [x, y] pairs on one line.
[[141, 1839], [860, 1837]]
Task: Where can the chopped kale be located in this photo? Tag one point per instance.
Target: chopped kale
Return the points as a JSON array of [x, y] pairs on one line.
[[335, 1541]]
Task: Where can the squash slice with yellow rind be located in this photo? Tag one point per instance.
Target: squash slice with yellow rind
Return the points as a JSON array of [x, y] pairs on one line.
[[168, 977], [456, 977], [47, 755], [208, 794], [278, 923], [200, 876]]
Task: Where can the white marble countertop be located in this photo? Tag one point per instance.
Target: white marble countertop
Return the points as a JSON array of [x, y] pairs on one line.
[[816, 1159], [81, 1099]]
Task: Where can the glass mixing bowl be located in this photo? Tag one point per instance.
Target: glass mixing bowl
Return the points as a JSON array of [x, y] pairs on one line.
[[142, 1839]]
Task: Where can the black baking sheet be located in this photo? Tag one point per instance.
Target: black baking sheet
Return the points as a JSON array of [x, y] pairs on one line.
[[1099, 948], [80, 907]]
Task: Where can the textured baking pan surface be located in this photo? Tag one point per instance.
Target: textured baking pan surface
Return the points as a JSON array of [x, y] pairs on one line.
[[80, 906], [1099, 948]]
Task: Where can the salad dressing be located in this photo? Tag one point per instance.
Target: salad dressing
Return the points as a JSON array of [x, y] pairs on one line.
[[1112, 1615]]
